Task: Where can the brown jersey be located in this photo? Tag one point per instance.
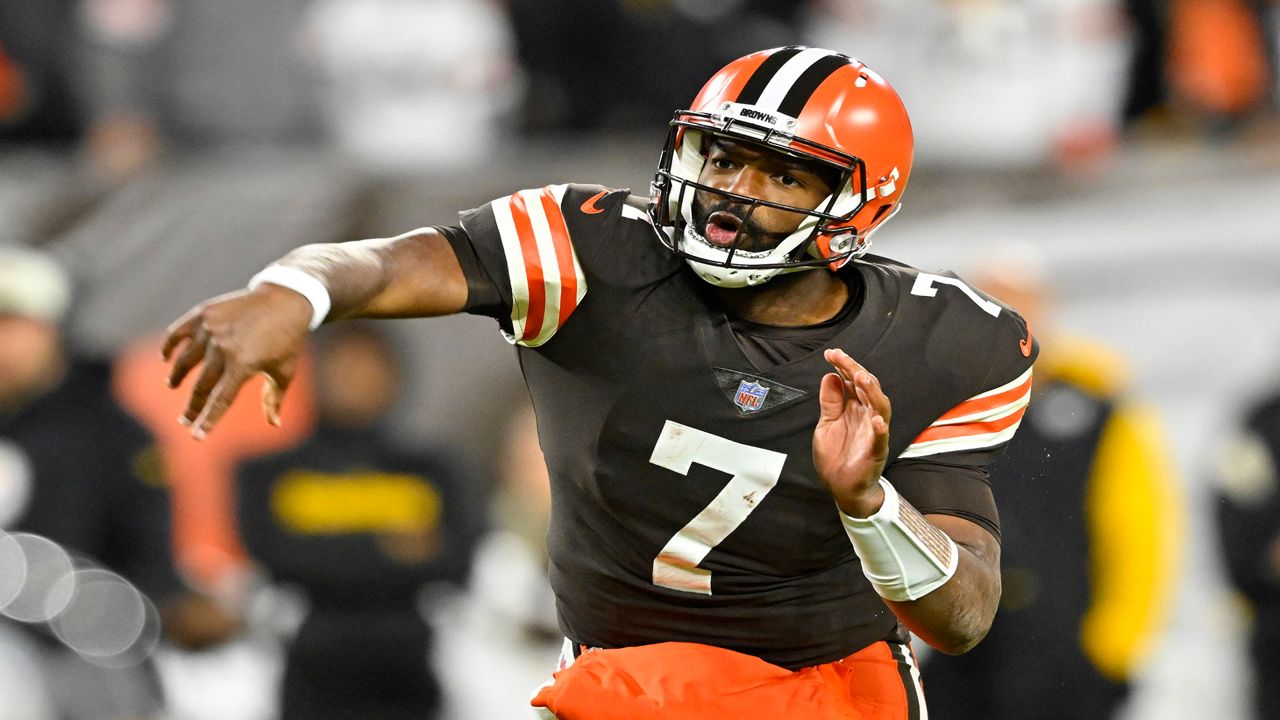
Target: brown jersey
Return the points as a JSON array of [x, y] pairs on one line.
[[685, 502]]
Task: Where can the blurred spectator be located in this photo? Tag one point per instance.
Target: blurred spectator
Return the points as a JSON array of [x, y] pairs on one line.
[[575, 53], [1248, 524], [1222, 81], [205, 74], [408, 84], [499, 642], [202, 474], [994, 83], [77, 471], [43, 120], [1147, 92], [361, 528], [37, 54], [127, 79], [1088, 520]]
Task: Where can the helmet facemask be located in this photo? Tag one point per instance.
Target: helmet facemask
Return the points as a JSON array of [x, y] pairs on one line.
[[736, 264]]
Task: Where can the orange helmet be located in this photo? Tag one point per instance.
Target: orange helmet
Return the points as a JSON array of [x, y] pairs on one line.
[[814, 104]]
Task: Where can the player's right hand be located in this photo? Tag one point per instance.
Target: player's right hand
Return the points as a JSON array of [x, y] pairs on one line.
[[235, 337]]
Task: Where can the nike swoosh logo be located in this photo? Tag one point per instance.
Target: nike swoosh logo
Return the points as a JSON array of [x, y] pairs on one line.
[[1025, 345], [589, 207]]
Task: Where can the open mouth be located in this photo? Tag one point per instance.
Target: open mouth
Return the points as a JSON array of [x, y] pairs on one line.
[[696, 236], [722, 228]]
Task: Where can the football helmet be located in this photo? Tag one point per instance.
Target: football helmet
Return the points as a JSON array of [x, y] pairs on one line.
[[813, 104]]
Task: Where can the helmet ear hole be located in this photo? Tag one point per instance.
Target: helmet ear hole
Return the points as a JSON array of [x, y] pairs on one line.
[[880, 211]]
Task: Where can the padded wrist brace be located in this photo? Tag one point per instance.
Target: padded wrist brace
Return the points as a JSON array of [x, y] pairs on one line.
[[903, 555]]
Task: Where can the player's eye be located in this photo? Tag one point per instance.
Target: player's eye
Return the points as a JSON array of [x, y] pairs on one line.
[[722, 163], [788, 181]]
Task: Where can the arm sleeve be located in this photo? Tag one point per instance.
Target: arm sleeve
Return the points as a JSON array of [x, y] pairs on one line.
[[521, 264], [1133, 515], [486, 295], [975, 431], [937, 488], [944, 470]]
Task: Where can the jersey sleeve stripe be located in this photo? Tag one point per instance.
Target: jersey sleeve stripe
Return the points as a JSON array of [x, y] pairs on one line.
[[989, 401], [511, 247], [941, 432], [983, 421], [547, 282], [545, 249], [959, 444], [533, 268], [570, 273]]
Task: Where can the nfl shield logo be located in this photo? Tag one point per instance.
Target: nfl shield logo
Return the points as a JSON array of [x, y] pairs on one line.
[[750, 396]]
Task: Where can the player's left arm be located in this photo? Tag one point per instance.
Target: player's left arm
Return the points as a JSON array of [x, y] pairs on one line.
[[940, 574], [955, 617]]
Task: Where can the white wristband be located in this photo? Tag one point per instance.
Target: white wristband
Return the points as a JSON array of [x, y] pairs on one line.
[[902, 554], [309, 286]]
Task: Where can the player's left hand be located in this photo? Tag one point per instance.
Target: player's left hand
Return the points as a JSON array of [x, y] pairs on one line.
[[851, 440]]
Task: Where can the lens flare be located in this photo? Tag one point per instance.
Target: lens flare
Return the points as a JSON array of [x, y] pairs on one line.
[[42, 594], [13, 569], [107, 620]]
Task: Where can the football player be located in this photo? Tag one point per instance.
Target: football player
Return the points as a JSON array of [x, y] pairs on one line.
[[743, 525]]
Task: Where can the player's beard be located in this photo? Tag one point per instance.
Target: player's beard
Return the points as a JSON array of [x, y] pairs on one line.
[[752, 236]]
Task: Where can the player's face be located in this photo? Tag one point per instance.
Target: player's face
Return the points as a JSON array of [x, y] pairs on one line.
[[756, 172]]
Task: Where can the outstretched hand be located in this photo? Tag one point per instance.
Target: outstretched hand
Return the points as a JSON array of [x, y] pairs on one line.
[[236, 336], [851, 440]]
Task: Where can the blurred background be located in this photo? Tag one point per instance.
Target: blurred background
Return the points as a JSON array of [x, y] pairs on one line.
[[1125, 153]]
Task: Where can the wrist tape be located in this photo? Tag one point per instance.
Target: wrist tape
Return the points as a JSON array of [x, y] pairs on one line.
[[300, 282], [903, 555]]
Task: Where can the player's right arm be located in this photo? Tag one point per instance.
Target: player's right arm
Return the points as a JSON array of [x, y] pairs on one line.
[[262, 331]]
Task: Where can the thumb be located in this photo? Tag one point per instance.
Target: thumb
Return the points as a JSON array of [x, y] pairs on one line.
[[275, 383], [830, 398], [880, 446]]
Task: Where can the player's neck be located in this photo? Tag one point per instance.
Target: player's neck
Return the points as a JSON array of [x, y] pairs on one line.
[[796, 299]]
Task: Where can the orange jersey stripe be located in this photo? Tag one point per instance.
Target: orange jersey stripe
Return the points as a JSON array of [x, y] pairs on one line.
[[533, 268], [564, 256], [977, 405], [944, 432]]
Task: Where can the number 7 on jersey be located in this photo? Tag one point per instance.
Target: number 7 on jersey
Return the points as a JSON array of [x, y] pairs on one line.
[[755, 472], [924, 288]]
